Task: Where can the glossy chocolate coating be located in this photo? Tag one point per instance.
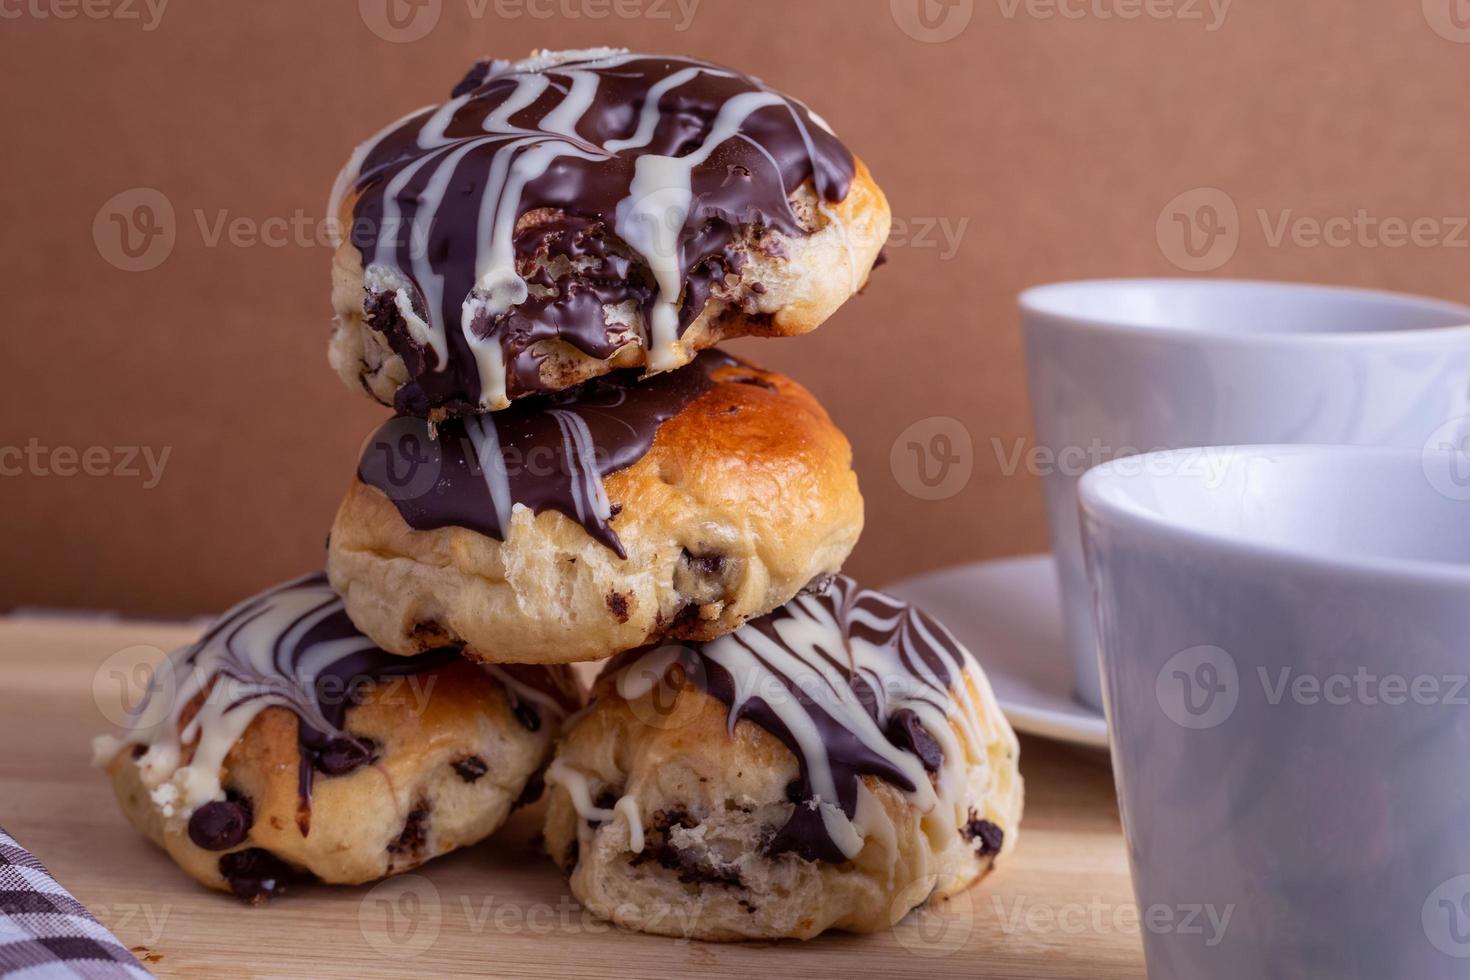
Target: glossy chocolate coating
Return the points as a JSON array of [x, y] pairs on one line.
[[553, 160], [325, 691], [547, 453], [853, 682]]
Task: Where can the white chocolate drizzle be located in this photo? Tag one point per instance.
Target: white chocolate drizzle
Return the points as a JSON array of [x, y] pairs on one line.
[[856, 684], [291, 646], [417, 176]]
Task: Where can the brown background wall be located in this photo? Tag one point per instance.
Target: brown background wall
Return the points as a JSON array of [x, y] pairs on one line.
[[1027, 147]]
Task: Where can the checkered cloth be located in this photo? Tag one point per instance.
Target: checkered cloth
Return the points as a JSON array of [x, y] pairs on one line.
[[45, 934]]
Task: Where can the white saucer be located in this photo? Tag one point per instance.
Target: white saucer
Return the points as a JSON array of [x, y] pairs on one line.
[[1008, 612]]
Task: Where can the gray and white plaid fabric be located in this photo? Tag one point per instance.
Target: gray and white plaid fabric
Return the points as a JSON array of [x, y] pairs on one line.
[[45, 934]]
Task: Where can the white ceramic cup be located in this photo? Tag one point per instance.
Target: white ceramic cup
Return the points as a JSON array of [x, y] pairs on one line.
[[1120, 367], [1285, 636]]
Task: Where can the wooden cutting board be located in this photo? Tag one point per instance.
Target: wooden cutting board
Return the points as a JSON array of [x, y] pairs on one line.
[[1060, 907]]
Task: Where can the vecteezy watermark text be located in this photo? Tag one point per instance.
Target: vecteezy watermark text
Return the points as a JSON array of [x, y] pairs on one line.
[[1201, 229], [1074, 461], [127, 462], [401, 918], [147, 13], [405, 21], [1200, 688], [1098, 917], [1210, 13], [135, 922], [1365, 687], [136, 687], [937, 21], [136, 230]]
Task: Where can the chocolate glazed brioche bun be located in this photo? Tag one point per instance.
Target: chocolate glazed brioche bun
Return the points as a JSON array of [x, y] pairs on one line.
[[830, 766], [584, 211], [596, 521], [284, 745]]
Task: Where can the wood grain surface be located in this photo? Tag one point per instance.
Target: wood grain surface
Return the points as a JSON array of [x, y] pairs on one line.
[[1060, 908], [1043, 140]]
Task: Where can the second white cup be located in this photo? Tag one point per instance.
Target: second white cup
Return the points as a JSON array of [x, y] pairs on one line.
[[1123, 367], [1284, 637]]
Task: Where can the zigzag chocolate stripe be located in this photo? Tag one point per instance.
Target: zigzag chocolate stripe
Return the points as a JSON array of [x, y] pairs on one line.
[[291, 646], [677, 156], [855, 683]]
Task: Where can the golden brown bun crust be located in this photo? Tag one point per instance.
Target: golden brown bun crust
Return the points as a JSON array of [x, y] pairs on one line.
[[708, 801], [744, 498], [411, 804], [781, 295]]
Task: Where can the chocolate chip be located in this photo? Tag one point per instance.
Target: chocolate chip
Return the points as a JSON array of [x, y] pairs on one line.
[[906, 732], [528, 717], [139, 751], [987, 836], [618, 604], [703, 580], [472, 79], [470, 767], [343, 755], [689, 867], [255, 874], [686, 619], [692, 871], [706, 564], [430, 635], [795, 792], [534, 787], [221, 824], [410, 842]]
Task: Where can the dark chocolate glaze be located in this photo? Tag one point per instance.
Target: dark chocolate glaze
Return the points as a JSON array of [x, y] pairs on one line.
[[336, 685], [552, 451], [422, 183], [805, 656], [293, 647], [338, 754]]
